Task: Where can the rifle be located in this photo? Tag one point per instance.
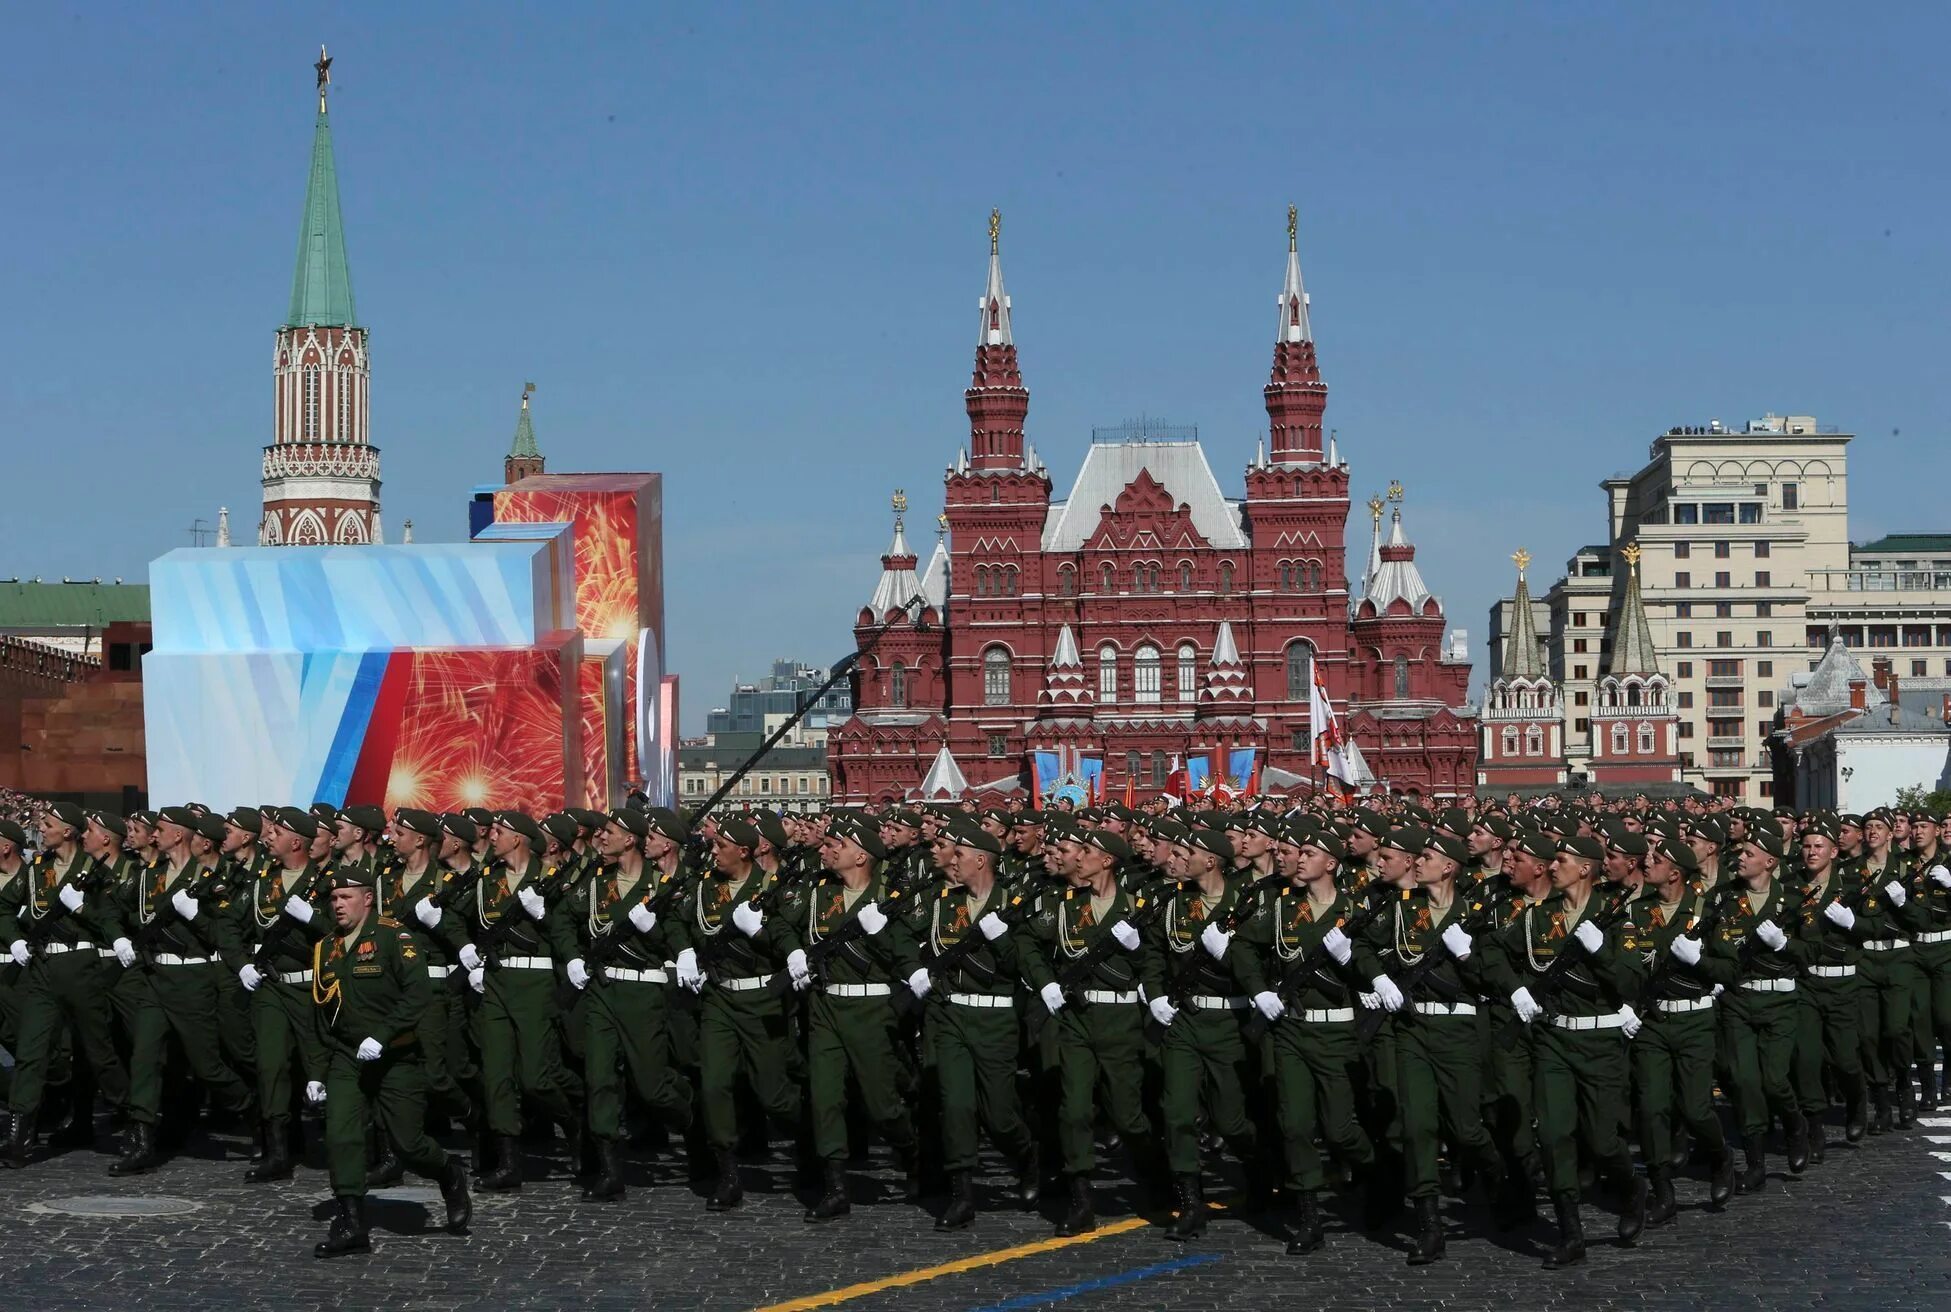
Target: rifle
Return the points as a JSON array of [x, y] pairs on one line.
[[510, 920], [1546, 990], [818, 954], [1080, 969], [281, 929], [1242, 908], [93, 879], [660, 899], [1413, 978], [1296, 981], [765, 901], [148, 936]]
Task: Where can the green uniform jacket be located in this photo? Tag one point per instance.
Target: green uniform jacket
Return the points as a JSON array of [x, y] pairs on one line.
[[396, 893], [819, 909], [492, 900], [704, 924], [1286, 930], [1190, 970], [257, 910], [371, 985], [1668, 978], [1877, 919], [599, 912], [948, 915], [1740, 911], [40, 917], [1594, 985], [1406, 933], [1930, 902], [1824, 942], [1063, 928]]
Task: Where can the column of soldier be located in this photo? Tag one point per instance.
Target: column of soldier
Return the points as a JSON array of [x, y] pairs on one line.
[[1385, 1003]]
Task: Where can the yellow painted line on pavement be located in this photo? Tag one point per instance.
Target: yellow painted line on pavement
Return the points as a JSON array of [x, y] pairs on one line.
[[848, 1293]]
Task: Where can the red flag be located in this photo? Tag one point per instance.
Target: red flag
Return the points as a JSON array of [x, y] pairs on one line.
[[1131, 793], [1175, 782], [1253, 780]]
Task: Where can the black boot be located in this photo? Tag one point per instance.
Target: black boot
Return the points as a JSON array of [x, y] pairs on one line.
[[1571, 1233], [20, 1141], [277, 1161], [1080, 1219], [389, 1170], [576, 1142], [1905, 1102], [833, 1194], [1029, 1177], [1516, 1200], [729, 1193], [961, 1208], [1796, 1130], [78, 1132], [1926, 1086], [348, 1233], [1880, 1119], [1683, 1140], [1305, 1237], [910, 1160], [608, 1181], [139, 1152], [1427, 1245], [1664, 1208], [1754, 1172], [453, 1192], [1382, 1197], [1856, 1116], [1190, 1222], [1817, 1143], [1635, 1194], [1720, 1185], [507, 1172]]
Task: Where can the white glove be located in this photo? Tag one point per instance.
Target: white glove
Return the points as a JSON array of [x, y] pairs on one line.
[[369, 1050], [470, 956], [532, 902], [18, 951], [1268, 1004], [642, 918], [1629, 1021], [1687, 949], [427, 913], [1387, 993], [314, 1092], [1370, 1002], [688, 974], [1215, 940], [298, 909], [1895, 892], [71, 897], [1127, 935], [1456, 940], [578, 973], [1338, 945], [1941, 876], [1771, 934], [1590, 937], [992, 926], [796, 967], [477, 979], [124, 951], [185, 904], [748, 918], [1526, 1006], [1162, 1010], [919, 983], [1719, 989], [1839, 915], [1053, 997], [872, 918], [249, 978]]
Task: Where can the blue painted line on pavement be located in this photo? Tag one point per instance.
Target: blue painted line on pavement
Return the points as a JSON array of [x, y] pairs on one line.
[[1102, 1282]]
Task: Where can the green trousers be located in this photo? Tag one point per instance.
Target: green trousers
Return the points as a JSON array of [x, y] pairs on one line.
[[521, 1052], [1439, 1084], [9, 1022], [1507, 1093], [284, 1029], [627, 1038], [1889, 984], [1757, 1033], [445, 1058], [1205, 1067], [1099, 1055], [1931, 1007], [236, 1029], [1317, 1065], [390, 1093], [1673, 1083], [190, 999], [59, 993], [744, 1034], [973, 1054], [144, 1038], [1827, 1017], [853, 1038], [1581, 1081]]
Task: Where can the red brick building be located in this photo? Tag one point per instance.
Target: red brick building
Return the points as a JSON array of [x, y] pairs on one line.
[[1146, 614]]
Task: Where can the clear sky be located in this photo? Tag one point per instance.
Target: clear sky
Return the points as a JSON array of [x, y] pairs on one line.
[[742, 246]]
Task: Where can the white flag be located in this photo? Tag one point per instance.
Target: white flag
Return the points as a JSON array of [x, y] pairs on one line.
[[1330, 748]]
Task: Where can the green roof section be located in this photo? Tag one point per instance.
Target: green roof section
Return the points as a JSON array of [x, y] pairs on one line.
[[82, 605], [524, 444], [1899, 543], [321, 287]]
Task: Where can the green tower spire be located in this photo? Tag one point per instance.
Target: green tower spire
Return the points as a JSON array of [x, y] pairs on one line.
[[524, 448], [321, 286]]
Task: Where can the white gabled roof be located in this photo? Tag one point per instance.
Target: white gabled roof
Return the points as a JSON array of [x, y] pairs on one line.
[[1179, 467], [934, 579], [1396, 580], [944, 776]]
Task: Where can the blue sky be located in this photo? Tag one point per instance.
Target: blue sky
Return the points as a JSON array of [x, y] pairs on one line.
[[741, 247]]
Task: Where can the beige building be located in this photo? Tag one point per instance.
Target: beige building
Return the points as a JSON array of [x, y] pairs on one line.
[[1892, 602], [787, 779]]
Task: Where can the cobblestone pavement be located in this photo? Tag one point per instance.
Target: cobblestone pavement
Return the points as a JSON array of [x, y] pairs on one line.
[[1866, 1230]]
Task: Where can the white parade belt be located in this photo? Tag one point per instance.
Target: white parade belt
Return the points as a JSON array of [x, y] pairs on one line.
[[982, 999]]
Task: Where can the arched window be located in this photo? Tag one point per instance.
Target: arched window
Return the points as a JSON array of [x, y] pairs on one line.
[[1145, 675], [1109, 574], [1185, 576], [1402, 676], [1510, 740], [982, 580], [1314, 576], [1645, 740], [1066, 581], [995, 494], [342, 389], [1009, 580], [897, 685], [1300, 671], [1286, 575], [995, 677], [1632, 694], [1619, 740], [1534, 741], [1188, 671], [1107, 673], [311, 403], [1225, 576]]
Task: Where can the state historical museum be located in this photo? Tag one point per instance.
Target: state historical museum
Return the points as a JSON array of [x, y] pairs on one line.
[[1147, 615]]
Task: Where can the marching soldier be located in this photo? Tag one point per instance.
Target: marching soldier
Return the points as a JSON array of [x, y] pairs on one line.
[[420, 888], [1829, 1006], [1930, 902], [1889, 977]]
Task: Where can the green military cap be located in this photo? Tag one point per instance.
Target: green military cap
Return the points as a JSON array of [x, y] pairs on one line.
[[1768, 839], [112, 822], [1561, 825], [420, 822], [1922, 817], [1497, 827], [143, 817], [1453, 820], [631, 821], [1106, 841], [851, 828], [562, 827], [1297, 828], [1407, 838], [365, 816], [1825, 825], [739, 833], [68, 814], [1535, 842], [663, 820], [1680, 854], [517, 822], [771, 828], [461, 827], [1586, 849], [247, 818], [1372, 823], [325, 811], [12, 832], [898, 816], [1058, 827], [1628, 842], [181, 816], [1419, 814], [1260, 821], [1849, 820], [588, 819], [352, 876], [1167, 830], [1119, 811], [212, 827], [1027, 819], [1087, 815], [1215, 841], [302, 823], [483, 818], [971, 835], [1708, 827], [1327, 840], [1445, 843], [1662, 826]]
